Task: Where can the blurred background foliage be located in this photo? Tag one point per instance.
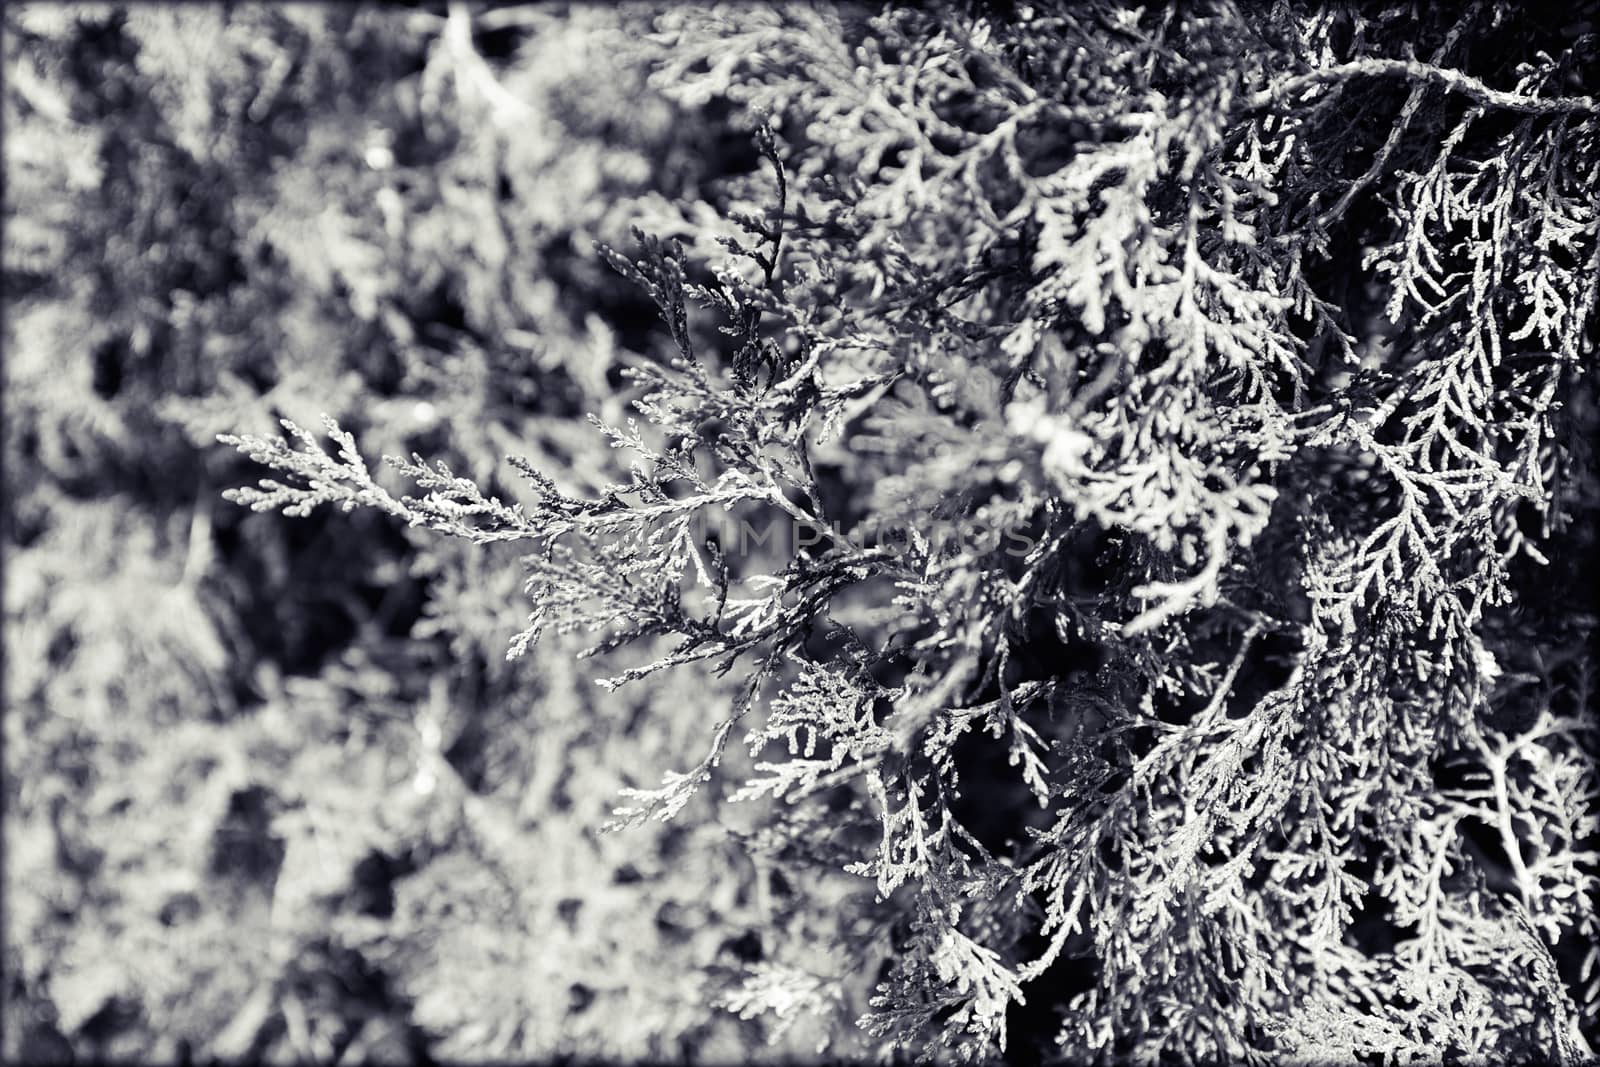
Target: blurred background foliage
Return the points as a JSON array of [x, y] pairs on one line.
[[272, 789]]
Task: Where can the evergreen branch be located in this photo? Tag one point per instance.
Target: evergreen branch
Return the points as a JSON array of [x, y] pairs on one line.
[[1407, 114], [1415, 70]]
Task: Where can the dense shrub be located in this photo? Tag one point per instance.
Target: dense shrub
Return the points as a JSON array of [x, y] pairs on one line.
[[1112, 492]]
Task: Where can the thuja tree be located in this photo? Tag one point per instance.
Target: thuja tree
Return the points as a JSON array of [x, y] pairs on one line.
[[1180, 421]]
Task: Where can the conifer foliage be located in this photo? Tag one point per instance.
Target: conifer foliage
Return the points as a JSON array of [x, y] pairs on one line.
[[1182, 423], [272, 791]]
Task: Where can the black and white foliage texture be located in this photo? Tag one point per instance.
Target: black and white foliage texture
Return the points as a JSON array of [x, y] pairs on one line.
[[1181, 423]]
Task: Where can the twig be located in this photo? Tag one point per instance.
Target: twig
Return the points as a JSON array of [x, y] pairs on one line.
[[1452, 80], [1409, 111], [197, 560]]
